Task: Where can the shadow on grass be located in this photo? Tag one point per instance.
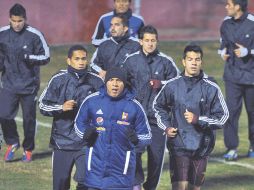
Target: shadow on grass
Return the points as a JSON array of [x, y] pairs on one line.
[[220, 155], [42, 155], [229, 181]]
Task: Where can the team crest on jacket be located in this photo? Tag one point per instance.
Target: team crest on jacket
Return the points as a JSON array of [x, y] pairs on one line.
[[99, 120], [124, 116]]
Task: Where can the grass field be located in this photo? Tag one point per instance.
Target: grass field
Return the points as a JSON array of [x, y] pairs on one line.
[[219, 176]]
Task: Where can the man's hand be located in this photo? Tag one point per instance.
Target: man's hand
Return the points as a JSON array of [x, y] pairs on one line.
[[190, 117], [241, 51], [155, 84], [24, 55], [102, 74], [224, 54], [90, 136], [171, 132], [69, 105], [132, 136]]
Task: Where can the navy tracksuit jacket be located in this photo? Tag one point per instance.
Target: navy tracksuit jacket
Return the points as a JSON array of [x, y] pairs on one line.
[[238, 75], [141, 69], [22, 55], [199, 95], [111, 161], [102, 30]]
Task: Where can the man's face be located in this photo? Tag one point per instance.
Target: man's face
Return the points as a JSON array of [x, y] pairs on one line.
[[231, 8], [121, 6], [192, 64], [17, 22], [148, 43], [78, 60], [114, 87], [117, 28]]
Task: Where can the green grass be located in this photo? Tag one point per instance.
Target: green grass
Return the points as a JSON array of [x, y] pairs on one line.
[[37, 174]]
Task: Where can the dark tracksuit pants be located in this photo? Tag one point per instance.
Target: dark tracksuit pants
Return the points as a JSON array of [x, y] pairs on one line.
[[63, 162], [9, 107], [155, 157], [235, 93]]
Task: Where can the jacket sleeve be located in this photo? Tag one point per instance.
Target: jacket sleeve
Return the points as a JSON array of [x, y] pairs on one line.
[[97, 61], [224, 43], [99, 34], [81, 122], [222, 38], [41, 55], [49, 104], [1, 63], [2, 56], [171, 70], [142, 24], [217, 114], [142, 127], [95, 81], [161, 107]]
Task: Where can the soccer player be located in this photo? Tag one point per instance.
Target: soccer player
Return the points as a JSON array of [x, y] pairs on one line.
[[24, 50], [188, 109]]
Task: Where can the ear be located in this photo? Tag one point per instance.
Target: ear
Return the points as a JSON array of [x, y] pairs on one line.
[[183, 62], [141, 42], [237, 7], [68, 60]]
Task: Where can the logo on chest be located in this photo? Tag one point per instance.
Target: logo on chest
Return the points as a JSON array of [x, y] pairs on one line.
[[99, 120], [99, 112]]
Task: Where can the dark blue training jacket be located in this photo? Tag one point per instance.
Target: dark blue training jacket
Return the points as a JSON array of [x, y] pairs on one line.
[[21, 75], [141, 69], [241, 31], [111, 161], [198, 95], [63, 86], [113, 52], [102, 30]]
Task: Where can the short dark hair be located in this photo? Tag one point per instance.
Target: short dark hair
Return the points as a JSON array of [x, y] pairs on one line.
[[76, 48], [148, 29], [192, 47], [123, 18], [18, 10], [242, 3]]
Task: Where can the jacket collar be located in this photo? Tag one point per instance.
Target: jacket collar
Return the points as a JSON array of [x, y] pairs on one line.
[[195, 78], [150, 57], [242, 18], [80, 74], [120, 39]]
